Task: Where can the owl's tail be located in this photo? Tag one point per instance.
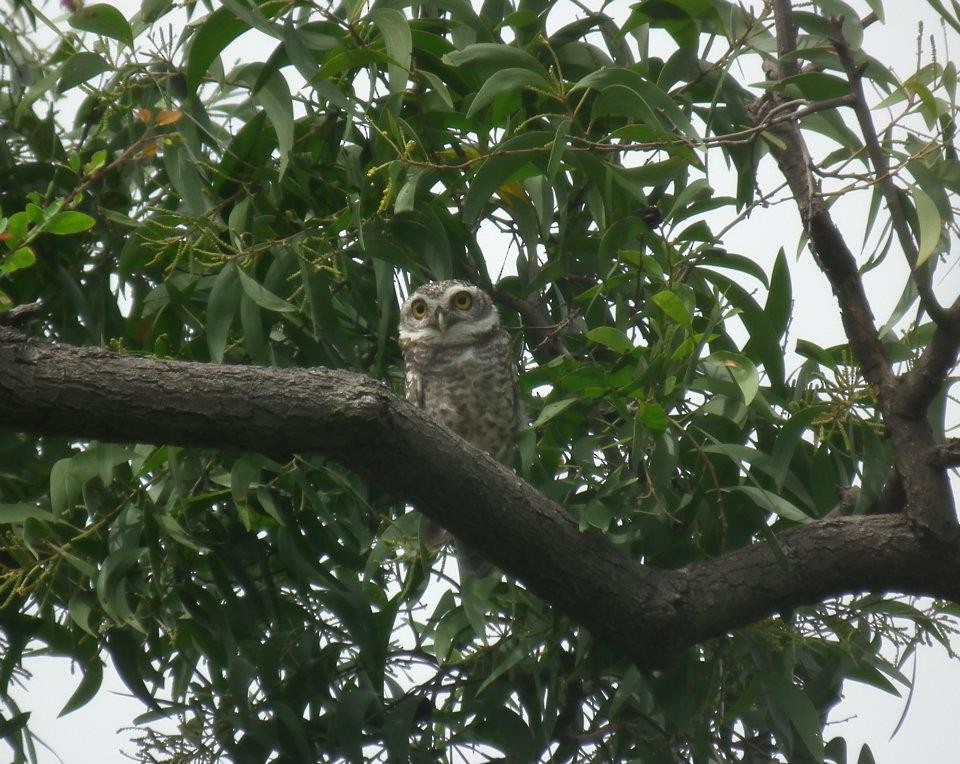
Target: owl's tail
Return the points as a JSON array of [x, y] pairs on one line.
[[469, 560]]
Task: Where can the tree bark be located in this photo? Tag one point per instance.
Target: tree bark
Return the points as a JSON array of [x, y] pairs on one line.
[[650, 614]]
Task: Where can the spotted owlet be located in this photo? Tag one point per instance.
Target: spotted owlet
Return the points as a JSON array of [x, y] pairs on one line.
[[459, 369]]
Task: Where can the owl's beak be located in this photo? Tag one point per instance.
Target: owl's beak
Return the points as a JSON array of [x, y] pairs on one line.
[[441, 319]]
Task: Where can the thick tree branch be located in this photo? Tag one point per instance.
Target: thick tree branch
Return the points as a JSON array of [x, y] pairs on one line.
[[650, 614]]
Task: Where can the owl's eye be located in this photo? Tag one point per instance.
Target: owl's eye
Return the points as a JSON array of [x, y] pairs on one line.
[[418, 308], [462, 300]]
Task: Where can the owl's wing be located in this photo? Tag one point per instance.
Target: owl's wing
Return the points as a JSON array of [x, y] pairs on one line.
[[413, 388]]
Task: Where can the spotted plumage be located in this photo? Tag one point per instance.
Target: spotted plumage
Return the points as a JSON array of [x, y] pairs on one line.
[[460, 370]]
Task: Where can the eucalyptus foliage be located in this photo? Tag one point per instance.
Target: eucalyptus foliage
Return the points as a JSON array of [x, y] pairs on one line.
[[162, 199]]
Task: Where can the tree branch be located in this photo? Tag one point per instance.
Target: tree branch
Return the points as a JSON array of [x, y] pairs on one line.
[[543, 335], [926, 487], [925, 380], [786, 32], [881, 165], [649, 614]]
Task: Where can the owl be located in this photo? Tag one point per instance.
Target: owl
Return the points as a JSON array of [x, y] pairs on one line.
[[460, 370]]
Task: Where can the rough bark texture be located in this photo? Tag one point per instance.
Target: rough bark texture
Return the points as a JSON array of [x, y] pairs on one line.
[[88, 393]]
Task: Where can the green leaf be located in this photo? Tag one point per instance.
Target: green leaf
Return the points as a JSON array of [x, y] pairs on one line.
[[659, 103], [740, 368], [81, 67], [81, 608], [296, 48], [105, 20], [252, 14], [771, 502], [621, 101], [503, 165], [794, 705], [395, 29], [552, 410], [88, 687], [763, 327], [263, 297], [221, 308], [106, 457], [186, 178], [507, 80], [610, 336], [66, 223], [653, 417], [816, 86], [559, 146], [514, 657], [779, 305], [110, 587], [20, 511], [254, 337], [20, 258], [488, 58], [126, 651], [64, 486], [274, 97], [931, 225], [650, 174], [675, 308], [151, 10], [789, 439], [217, 31]]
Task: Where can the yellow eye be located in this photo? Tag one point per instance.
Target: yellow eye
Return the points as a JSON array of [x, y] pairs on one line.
[[462, 300], [418, 308]]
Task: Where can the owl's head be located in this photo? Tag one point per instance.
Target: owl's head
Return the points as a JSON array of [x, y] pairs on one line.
[[447, 313]]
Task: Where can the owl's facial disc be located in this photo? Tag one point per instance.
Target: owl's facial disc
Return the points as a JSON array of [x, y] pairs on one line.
[[454, 316]]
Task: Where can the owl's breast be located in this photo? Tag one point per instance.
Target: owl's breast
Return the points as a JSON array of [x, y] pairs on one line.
[[472, 390]]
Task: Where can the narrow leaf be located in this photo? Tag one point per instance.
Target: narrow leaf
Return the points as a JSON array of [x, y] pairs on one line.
[[221, 308], [397, 39], [88, 687], [81, 67], [217, 31], [505, 81], [262, 296], [551, 410], [771, 502], [930, 225]]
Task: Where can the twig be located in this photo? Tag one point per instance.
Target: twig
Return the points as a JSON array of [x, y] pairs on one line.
[[21, 313], [785, 111], [543, 335], [948, 455]]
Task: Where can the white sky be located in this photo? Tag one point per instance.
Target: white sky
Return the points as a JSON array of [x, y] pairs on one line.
[[929, 734]]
